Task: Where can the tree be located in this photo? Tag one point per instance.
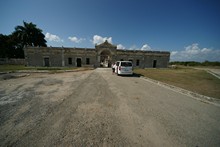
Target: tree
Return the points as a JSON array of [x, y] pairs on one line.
[[3, 46], [9, 47], [29, 35]]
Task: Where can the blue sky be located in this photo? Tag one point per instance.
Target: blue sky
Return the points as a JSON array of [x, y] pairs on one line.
[[189, 29]]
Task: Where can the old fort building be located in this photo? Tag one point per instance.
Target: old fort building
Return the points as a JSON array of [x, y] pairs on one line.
[[103, 55]]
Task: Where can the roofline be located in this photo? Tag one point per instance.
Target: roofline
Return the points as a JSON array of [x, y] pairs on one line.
[[144, 51], [122, 50]]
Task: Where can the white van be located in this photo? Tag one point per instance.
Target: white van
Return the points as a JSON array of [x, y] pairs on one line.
[[124, 68]]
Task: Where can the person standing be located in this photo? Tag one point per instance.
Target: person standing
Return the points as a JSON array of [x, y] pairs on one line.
[[113, 68]]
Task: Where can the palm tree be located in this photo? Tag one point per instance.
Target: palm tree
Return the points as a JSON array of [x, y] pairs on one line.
[[29, 35]]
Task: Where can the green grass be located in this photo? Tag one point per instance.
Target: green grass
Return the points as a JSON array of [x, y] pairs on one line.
[[14, 68], [191, 79], [4, 68]]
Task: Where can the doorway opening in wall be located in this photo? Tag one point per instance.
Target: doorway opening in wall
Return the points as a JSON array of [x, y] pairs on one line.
[[154, 63], [78, 62], [130, 60], [70, 61], [46, 61], [105, 58], [87, 61], [137, 62]]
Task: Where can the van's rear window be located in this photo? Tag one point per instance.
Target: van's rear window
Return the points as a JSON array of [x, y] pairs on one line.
[[126, 64]]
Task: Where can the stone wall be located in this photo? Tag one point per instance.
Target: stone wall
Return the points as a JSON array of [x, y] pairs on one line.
[[35, 56], [60, 56], [145, 59], [12, 61]]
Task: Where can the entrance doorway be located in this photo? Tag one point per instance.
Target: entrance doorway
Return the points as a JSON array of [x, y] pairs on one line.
[[155, 64], [105, 59], [46, 62], [78, 62]]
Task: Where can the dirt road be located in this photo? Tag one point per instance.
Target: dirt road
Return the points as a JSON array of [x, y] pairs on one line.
[[96, 108]]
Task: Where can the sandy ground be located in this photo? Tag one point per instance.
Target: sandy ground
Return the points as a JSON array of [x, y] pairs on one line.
[[96, 108]]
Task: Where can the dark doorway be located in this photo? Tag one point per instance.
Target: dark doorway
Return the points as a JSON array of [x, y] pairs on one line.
[[87, 61], [137, 62], [155, 64], [46, 62], [70, 61], [78, 62]]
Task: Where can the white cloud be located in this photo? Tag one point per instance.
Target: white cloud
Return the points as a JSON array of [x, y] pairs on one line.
[[146, 47], [134, 47], [76, 40], [195, 53], [99, 39], [173, 53], [206, 50], [120, 46], [52, 37], [192, 49]]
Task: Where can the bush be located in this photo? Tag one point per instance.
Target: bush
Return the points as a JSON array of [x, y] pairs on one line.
[[193, 63]]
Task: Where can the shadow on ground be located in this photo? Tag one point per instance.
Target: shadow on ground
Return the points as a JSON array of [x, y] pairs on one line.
[[136, 75]]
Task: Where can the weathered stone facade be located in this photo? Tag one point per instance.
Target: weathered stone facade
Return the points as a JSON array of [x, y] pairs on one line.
[[102, 56]]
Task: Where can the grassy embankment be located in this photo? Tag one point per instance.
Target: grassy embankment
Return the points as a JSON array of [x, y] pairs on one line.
[[14, 68], [198, 81]]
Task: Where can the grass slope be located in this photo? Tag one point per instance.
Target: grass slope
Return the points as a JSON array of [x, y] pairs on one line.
[[14, 68], [191, 79]]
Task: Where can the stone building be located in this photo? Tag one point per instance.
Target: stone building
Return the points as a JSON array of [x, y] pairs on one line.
[[103, 55]]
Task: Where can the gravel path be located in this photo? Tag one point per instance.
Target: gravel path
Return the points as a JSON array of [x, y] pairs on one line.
[[96, 108]]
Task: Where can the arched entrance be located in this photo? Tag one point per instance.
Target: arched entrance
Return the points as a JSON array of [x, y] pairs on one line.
[[105, 58]]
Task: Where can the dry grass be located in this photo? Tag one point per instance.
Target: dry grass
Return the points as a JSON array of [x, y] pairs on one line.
[[4, 68], [14, 68], [191, 79]]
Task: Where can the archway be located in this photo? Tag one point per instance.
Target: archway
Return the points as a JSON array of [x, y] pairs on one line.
[[105, 58]]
